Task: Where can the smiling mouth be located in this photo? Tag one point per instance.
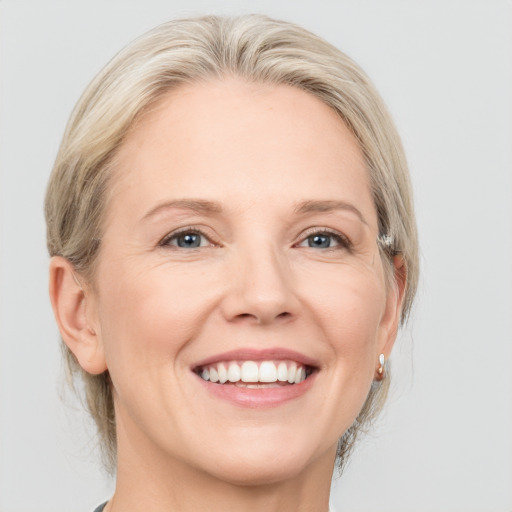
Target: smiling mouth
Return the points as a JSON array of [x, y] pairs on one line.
[[255, 374]]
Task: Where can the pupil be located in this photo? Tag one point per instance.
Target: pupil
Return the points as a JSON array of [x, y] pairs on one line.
[[319, 241], [190, 240]]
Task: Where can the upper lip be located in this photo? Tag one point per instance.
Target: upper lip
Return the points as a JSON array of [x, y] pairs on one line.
[[250, 354]]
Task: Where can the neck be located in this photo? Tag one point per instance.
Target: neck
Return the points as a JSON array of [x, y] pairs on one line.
[[147, 482]]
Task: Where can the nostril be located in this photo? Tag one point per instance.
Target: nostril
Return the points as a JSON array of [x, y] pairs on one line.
[[285, 315]]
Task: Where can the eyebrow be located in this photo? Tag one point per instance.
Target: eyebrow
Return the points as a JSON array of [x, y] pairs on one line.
[[328, 206], [196, 205], [205, 206]]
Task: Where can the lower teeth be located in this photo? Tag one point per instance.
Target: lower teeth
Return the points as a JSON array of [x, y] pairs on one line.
[[255, 385]]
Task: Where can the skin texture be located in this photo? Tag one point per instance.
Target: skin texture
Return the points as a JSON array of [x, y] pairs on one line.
[[271, 160]]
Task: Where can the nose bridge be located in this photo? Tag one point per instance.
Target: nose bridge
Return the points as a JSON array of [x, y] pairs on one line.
[[261, 286]]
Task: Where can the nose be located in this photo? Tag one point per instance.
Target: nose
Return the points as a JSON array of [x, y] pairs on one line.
[[261, 288]]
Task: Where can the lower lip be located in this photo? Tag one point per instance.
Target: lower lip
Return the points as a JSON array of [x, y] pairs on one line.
[[259, 397]]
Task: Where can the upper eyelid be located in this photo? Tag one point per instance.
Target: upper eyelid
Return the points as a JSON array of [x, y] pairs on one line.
[[324, 230], [187, 229]]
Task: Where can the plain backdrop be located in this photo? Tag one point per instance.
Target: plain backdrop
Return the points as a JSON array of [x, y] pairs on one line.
[[444, 67]]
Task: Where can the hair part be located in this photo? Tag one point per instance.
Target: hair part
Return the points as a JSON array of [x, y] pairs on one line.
[[252, 47]]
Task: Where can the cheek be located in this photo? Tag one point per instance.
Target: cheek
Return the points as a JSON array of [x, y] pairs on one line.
[[348, 304], [348, 309], [147, 321], [154, 312]]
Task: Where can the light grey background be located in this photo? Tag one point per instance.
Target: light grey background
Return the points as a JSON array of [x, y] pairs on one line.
[[445, 70]]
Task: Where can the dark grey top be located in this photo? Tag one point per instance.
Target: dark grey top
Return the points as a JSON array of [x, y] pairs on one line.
[[101, 507]]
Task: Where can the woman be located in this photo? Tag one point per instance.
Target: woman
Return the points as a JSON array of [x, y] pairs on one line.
[[233, 249]]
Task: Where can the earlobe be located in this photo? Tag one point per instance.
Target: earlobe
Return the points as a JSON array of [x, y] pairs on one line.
[[71, 309]]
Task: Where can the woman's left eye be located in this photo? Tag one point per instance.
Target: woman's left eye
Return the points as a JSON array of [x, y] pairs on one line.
[[324, 240], [186, 240]]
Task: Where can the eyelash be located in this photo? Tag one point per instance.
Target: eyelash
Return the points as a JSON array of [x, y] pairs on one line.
[[342, 242], [165, 242]]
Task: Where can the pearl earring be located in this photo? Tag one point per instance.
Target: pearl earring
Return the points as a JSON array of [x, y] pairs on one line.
[[380, 371]]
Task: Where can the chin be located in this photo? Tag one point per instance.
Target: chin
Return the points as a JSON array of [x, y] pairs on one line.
[[255, 473], [265, 462]]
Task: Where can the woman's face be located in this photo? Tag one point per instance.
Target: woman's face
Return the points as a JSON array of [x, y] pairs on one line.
[[239, 244]]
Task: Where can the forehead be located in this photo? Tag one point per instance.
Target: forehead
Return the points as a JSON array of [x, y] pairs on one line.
[[245, 142]]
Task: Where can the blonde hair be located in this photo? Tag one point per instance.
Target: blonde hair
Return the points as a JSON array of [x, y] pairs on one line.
[[252, 47]]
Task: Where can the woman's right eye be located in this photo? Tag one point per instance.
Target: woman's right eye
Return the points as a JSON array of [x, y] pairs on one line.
[[189, 239]]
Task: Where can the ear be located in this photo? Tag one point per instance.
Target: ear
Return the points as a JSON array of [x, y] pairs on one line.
[[74, 315], [391, 318]]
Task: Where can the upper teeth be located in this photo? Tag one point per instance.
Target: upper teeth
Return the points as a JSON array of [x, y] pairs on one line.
[[254, 371]]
